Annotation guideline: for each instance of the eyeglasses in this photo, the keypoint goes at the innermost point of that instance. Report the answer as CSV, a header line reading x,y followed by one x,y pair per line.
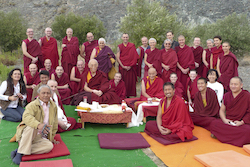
x,y
167,43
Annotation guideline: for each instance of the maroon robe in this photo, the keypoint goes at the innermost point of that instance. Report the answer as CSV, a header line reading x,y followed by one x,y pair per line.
x,y
49,50
103,58
228,69
73,84
30,81
70,54
186,60
198,58
216,52
120,89
64,93
139,63
203,116
154,89
51,71
237,108
129,57
89,46
154,57
193,89
170,59
176,118
206,69
98,82
34,49
179,89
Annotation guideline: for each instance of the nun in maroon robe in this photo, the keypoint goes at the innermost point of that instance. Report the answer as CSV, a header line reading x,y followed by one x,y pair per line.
x,y
73,84
153,57
198,58
237,108
170,59
204,115
129,57
89,46
34,49
49,50
193,89
69,54
216,52
228,69
30,81
120,88
205,69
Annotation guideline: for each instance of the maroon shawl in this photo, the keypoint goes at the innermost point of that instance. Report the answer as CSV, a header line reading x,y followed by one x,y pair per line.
x,y
89,46
216,52
128,54
32,80
205,69
193,89
71,51
154,57
120,89
179,89
63,80
198,58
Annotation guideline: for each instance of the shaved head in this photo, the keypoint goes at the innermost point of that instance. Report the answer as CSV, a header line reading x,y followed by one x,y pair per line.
x,y
32,66
93,61
29,29
181,37
47,61
80,62
48,29
152,70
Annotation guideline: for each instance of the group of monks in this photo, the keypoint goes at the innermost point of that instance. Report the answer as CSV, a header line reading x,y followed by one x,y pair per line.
x,y
185,70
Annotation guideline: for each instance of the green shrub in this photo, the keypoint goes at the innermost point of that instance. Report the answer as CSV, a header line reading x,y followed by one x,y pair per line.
x,y
4,71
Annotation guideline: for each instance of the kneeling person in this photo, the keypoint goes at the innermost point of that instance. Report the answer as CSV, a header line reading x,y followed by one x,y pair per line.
x,y
173,121
39,124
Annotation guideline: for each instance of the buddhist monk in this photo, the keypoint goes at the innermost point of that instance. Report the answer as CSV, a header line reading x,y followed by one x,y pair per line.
x,y
170,35
118,85
141,52
95,85
216,51
185,60
151,86
169,60
49,47
152,58
31,79
206,57
103,55
70,52
191,86
227,66
127,58
62,79
173,121
179,89
234,125
48,67
206,106
76,74
32,53
87,47
197,51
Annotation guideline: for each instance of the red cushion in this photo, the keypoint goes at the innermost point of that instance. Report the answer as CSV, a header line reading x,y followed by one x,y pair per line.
x,y
58,151
122,141
168,142
61,163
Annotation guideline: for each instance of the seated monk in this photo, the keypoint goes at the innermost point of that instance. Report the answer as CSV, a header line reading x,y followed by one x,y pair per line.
x,y
76,74
62,79
95,85
179,89
119,85
192,88
48,67
206,105
64,123
173,121
234,125
31,79
39,126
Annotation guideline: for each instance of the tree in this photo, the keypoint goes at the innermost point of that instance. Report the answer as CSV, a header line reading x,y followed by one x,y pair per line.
x,y
149,19
80,25
12,30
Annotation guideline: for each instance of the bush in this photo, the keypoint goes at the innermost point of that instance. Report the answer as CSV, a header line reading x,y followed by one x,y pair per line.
x,y
4,71
12,30
149,19
80,25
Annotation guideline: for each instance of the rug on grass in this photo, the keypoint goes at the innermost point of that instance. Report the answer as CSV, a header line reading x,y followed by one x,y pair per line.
x,y
182,154
55,163
57,151
223,159
122,141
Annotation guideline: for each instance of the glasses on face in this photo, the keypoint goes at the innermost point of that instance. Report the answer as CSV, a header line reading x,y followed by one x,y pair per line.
x,y
167,43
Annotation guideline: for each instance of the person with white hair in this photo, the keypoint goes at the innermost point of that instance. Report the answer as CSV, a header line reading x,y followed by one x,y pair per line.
x,y
104,56
152,58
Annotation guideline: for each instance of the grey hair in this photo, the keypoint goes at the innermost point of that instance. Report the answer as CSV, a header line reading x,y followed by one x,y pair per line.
x,y
101,39
43,86
152,39
167,40
69,29
211,40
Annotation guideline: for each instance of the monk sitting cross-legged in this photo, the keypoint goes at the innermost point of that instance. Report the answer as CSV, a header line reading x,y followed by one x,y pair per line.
x,y
206,105
76,74
179,89
173,121
118,84
234,125
48,67
191,86
95,85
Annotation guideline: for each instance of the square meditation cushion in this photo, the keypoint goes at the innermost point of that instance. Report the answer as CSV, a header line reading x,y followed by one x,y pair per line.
x,y
55,163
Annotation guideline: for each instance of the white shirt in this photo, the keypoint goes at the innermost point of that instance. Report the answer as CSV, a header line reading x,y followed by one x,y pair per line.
x,y
60,113
218,88
3,88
